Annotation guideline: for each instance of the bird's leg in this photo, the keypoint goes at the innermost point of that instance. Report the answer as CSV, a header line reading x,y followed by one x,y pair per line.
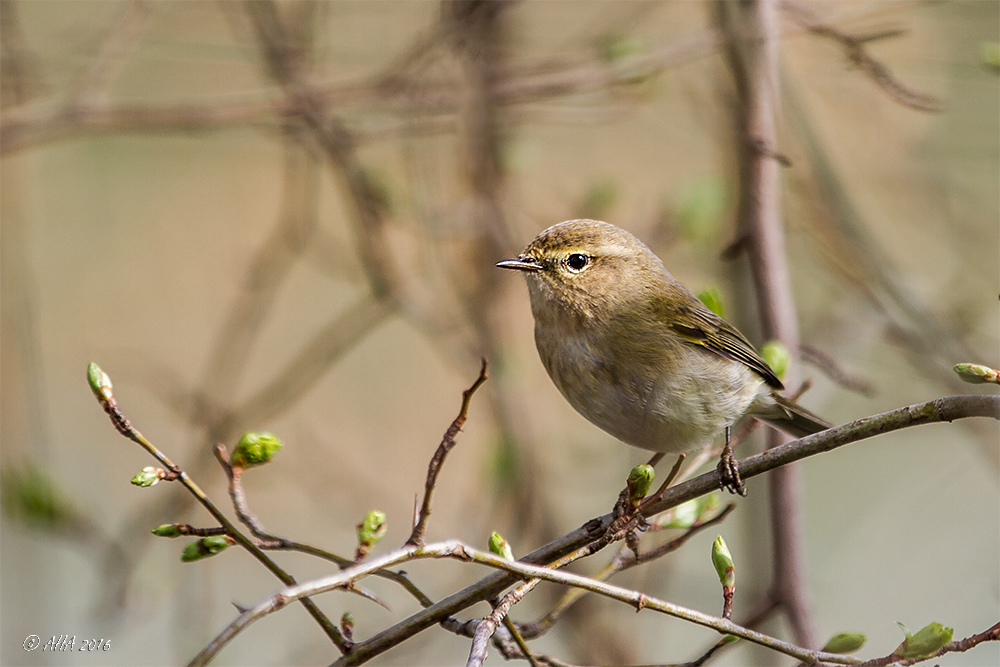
x,y
729,472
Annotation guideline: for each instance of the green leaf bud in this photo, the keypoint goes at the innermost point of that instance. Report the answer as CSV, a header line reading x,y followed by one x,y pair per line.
x,y
205,547
723,562
372,529
712,299
99,383
167,530
148,476
639,482
347,625
255,448
925,643
777,357
977,373
845,642
500,546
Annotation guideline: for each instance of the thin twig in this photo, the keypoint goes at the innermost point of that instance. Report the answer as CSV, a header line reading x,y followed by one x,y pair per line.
x,y
239,498
488,625
519,641
182,529
769,606
447,443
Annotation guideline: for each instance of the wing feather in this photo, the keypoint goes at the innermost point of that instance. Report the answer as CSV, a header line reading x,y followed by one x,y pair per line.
x,y
700,326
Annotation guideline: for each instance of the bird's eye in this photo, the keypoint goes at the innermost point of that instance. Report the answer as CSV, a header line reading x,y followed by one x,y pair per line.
x,y
577,262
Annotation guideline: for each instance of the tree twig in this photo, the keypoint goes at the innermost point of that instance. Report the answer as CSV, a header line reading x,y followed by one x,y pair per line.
x,y
447,443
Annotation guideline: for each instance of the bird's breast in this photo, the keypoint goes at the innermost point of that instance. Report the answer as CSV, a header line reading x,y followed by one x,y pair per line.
x,y
662,395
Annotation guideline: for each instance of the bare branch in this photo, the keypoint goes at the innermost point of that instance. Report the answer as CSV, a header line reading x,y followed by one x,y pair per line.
x,y
447,443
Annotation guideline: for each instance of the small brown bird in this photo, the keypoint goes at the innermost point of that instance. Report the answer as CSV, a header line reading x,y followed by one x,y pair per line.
x,y
637,353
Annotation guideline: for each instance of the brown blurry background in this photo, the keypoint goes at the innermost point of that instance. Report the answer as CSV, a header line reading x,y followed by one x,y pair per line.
x,y
301,239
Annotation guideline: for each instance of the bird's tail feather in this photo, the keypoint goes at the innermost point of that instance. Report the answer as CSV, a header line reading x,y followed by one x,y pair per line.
x,y
794,419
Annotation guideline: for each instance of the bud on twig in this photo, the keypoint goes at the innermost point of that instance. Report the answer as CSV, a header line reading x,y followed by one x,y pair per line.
x,y
925,643
168,530
723,562
845,642
255,448
99,383
370,531
205,547
149,476
500,546
347,625
977,374
639,482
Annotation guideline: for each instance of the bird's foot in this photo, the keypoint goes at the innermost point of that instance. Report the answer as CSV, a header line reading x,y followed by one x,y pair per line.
x,y
729,471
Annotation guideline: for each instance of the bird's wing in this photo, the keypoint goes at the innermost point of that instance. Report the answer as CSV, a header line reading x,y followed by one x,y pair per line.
x,y
702,327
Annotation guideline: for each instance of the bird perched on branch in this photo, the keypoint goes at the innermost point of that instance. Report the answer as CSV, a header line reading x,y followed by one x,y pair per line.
x,y
637,353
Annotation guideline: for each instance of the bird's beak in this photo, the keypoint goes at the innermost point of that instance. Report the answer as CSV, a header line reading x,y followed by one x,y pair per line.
x,y
520,264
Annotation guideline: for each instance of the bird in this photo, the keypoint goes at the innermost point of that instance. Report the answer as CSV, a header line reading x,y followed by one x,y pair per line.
x,y
637,353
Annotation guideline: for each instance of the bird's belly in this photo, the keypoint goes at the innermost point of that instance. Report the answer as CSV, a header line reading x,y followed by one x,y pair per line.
x,y
688,413
667,412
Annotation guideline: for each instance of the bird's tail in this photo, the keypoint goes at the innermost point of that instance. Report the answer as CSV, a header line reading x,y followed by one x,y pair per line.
x,y
794,419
